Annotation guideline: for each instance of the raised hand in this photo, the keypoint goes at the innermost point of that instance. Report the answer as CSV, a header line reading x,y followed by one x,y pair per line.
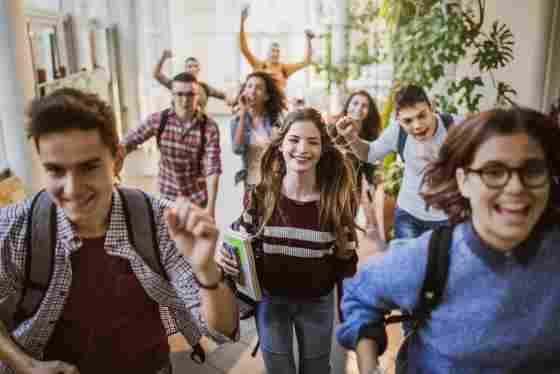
x,y
348,128
245,12
167,54
194,232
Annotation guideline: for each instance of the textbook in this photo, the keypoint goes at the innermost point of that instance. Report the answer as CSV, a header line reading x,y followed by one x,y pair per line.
x,y
239,246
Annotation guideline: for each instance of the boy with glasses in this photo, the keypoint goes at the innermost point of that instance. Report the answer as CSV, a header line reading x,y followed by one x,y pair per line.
x,y
189,144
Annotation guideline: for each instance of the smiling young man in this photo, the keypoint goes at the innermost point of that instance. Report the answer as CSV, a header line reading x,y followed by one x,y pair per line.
x,y
189,144
105,310
417,135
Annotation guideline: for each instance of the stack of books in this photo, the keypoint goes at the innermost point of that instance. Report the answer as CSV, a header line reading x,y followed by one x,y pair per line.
x,y
239,246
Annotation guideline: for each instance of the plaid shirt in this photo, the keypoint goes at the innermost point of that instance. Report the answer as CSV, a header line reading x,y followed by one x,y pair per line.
x,y
179,298
179,169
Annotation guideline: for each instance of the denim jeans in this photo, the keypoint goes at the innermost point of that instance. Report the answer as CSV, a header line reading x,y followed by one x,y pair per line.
x,y
313,322
407,226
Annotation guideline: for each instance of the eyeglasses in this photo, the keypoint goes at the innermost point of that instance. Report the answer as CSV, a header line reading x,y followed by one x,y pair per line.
x,y
533,174
188,95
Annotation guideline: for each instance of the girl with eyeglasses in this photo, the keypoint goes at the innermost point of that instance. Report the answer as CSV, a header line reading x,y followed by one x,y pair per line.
x,y
496,179
302,217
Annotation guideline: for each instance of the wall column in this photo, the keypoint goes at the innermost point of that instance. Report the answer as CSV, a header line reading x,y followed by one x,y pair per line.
x,y
16,89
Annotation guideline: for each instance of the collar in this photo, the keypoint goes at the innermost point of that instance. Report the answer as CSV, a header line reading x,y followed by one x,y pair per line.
x,y
198,117
522,254
117,241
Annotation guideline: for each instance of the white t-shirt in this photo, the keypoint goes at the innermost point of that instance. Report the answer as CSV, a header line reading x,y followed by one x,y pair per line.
x,y
416,155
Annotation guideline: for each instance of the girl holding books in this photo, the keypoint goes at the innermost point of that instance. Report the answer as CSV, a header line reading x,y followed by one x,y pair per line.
x,y
301,215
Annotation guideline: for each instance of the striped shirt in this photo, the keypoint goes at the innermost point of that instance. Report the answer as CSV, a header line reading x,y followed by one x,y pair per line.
x,y
296,256
178,298
179,169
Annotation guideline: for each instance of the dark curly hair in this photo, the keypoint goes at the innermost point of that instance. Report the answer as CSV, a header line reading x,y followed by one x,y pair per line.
x,y
70,109
439,182
276,102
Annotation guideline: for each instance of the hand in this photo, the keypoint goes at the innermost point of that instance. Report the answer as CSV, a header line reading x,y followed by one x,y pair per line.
x,y
348,128
194,232
244,103
227,262
309,34
166,54
230,101
51,367
245,12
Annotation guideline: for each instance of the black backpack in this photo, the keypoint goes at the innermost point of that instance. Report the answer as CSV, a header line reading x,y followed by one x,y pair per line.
x,y
41,244
447,120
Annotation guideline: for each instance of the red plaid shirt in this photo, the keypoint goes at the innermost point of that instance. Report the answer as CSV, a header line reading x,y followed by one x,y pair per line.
x,y
179,169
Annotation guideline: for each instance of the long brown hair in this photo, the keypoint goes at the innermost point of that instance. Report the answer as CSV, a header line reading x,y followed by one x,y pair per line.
x,y
334,180
461,144
371,125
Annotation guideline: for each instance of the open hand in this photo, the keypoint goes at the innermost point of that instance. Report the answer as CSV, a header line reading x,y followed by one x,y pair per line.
x,y
194,232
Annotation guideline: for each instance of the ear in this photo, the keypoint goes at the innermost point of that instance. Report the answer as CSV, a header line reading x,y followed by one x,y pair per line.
x,y
461,178
119,159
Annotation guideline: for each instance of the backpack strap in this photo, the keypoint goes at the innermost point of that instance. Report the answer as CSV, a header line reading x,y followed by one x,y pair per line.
x,y
437,270
435,280
447,120
202,147
401,141
41,242
162,123
141,227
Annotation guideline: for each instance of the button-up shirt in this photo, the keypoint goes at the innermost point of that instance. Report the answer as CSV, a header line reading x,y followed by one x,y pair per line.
x,y
179,166
178,298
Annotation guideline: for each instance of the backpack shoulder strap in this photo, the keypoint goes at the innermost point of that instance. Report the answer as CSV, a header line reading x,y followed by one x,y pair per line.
x,y
141,227
447,120
437,270
401,141
41,242
162,124
202,147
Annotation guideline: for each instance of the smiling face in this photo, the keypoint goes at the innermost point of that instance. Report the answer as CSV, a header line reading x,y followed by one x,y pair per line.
x,y
80,169
255,91
418,121
504,217
301,147
358,108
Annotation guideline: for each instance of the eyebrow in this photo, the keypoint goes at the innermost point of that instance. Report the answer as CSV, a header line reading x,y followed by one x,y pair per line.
x,y
81,163
309,137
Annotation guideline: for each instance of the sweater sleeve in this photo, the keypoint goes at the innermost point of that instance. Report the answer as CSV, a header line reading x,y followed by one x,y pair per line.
x,y
389,281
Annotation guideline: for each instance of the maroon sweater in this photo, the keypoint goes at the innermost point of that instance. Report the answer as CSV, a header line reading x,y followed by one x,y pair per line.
x,y
109,324
297,256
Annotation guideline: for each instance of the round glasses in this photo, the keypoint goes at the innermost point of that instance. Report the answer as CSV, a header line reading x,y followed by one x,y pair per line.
x,y
532,174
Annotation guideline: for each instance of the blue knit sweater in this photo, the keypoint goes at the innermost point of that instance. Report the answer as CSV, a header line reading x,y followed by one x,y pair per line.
x,y
499,313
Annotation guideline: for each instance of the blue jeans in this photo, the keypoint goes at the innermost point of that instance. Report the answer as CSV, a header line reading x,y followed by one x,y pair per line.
x,y
407,226
313,321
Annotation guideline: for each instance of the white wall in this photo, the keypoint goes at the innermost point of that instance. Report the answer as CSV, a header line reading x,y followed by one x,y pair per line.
x,y
530,23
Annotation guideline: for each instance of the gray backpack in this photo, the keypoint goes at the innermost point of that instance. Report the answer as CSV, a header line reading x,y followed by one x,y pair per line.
x,y
41,244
